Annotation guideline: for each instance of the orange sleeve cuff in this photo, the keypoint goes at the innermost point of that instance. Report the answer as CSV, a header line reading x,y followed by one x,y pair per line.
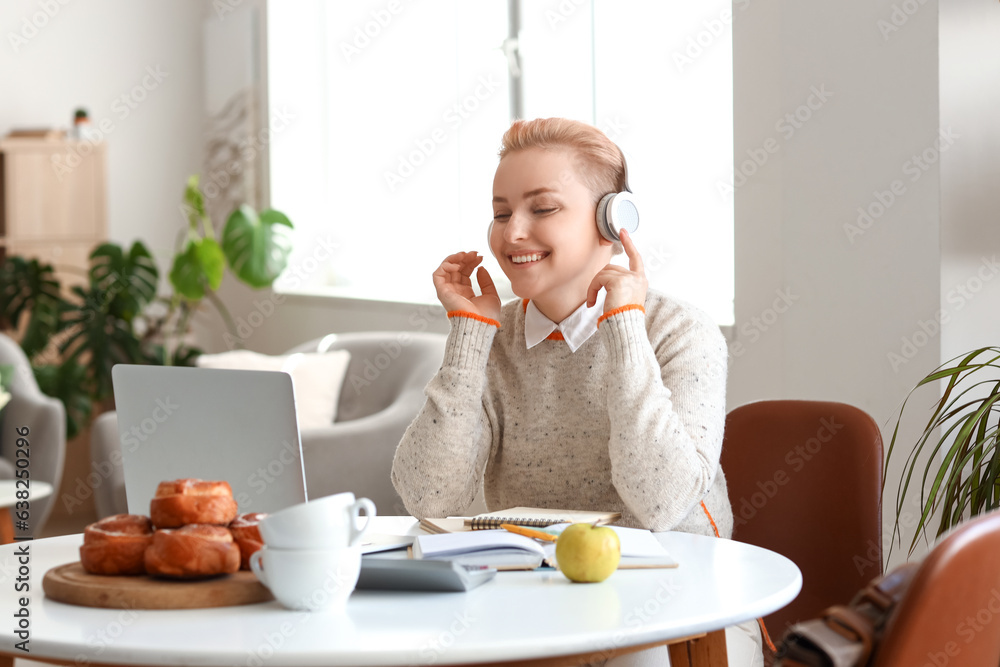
x,y
473,316
611,313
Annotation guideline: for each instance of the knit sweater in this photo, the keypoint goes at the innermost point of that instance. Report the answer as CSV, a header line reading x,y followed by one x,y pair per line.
x,y
631,422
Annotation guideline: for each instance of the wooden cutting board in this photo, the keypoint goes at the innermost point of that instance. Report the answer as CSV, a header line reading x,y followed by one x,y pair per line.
x,y
71,584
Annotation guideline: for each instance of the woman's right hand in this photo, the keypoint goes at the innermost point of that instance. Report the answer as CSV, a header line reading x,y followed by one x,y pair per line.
x,y
453,282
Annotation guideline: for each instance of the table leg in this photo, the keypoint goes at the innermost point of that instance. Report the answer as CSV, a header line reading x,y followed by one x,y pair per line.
x,y
707,651
6,531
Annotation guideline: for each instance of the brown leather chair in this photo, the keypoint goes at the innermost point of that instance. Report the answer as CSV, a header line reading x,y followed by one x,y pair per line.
x,y
805,481
950,614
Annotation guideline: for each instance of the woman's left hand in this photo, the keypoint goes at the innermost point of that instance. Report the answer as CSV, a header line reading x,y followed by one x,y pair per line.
x,y
624,286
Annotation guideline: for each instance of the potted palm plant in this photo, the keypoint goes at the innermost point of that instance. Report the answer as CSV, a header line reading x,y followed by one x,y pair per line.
x,y
955,464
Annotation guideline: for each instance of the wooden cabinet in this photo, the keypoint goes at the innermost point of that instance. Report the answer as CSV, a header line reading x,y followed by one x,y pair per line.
x,y
53,201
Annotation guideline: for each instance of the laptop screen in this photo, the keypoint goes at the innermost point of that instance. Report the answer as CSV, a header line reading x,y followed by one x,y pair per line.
x,y
232,425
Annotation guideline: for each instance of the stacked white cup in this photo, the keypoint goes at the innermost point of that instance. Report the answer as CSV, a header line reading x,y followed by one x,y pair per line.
x,y
312,551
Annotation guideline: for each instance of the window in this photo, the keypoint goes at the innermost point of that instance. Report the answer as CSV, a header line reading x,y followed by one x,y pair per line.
x,y
394,113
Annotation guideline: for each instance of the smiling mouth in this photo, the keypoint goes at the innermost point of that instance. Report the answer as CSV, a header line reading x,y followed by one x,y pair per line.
x,y
528,259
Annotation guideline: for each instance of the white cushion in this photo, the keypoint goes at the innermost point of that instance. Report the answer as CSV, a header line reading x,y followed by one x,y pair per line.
x,y
317,378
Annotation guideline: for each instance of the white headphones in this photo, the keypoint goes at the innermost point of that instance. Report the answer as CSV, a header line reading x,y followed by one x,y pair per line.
x,y
615,211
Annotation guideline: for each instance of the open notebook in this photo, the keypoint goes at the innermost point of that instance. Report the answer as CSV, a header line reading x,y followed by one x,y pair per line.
x,y
506,551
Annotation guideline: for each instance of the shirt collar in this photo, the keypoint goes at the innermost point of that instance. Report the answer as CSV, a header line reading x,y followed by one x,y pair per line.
x,y
576,329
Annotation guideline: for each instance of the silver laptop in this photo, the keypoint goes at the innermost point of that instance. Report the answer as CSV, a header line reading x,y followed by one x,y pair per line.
x,y
213,424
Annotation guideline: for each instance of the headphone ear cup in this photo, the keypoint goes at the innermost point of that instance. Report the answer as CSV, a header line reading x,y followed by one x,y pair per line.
x,y
489,238
602,218
617,211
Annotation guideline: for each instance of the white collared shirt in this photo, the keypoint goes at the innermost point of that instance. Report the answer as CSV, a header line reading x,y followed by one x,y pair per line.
x,y
576,329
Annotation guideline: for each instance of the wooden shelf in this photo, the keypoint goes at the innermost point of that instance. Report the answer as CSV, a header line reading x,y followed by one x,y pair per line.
x,y
53,199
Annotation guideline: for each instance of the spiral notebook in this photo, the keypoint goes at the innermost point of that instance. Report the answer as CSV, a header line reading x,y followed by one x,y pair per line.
x,y
534,517
538,518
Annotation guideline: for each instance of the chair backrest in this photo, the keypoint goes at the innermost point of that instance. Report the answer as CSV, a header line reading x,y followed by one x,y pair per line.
x,y
950,614
805,480
382,365
45,417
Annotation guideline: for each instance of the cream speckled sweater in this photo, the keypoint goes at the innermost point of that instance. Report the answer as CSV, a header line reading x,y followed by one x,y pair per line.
x,y
631,422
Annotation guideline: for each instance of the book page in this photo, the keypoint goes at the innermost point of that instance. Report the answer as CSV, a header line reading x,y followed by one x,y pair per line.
x,y
640,548
451,544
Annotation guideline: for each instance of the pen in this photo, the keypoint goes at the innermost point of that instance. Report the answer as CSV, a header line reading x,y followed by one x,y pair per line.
x,y
528,532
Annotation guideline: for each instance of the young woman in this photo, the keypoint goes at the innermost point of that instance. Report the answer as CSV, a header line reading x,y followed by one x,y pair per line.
x,y
591,391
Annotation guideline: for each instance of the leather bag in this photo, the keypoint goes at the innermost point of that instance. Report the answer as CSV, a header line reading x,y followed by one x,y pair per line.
x,y
846,635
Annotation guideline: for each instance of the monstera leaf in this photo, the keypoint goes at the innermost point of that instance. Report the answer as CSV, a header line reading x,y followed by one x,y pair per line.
x,y
200,265
128,280
29,287
257,246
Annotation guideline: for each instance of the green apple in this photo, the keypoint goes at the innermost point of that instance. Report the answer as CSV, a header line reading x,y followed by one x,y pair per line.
x,y
587,553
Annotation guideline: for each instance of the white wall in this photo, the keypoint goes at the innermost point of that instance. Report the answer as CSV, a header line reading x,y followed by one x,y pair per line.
x,y
58,55
970,174
820,306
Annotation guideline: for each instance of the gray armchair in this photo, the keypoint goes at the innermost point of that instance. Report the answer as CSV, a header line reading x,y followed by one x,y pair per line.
x,y
45,419
383,391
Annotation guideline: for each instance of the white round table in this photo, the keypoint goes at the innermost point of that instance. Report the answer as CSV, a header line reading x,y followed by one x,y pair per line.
x,y
8,499
517,616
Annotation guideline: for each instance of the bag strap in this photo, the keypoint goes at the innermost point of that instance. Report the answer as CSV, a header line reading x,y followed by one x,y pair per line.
x,y
847,635
815,644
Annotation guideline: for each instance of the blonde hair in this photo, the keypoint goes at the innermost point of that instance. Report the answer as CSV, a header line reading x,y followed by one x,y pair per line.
x,y
601,164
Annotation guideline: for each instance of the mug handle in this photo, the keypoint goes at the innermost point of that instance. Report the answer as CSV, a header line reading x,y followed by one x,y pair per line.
x,y
257,567
369,507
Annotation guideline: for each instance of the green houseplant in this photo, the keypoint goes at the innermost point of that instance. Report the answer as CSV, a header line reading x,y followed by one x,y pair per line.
x,y
254,247
961,475
74,337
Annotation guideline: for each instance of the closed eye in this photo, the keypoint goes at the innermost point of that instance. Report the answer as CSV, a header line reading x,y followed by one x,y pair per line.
x,y
501,216
543,211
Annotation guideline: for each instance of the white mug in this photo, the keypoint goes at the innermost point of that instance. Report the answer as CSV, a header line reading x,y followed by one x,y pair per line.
x,y
310,580
324,523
